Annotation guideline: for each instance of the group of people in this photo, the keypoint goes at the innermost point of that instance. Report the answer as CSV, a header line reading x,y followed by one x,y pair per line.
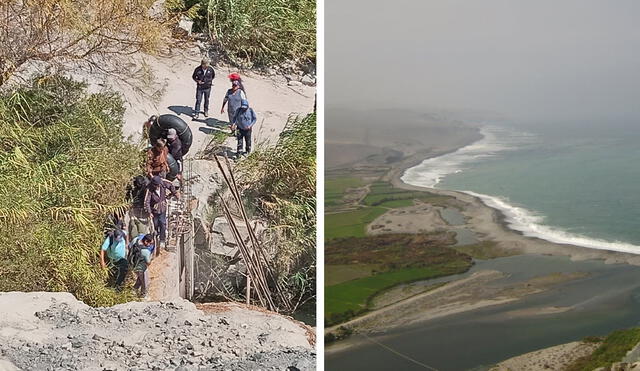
x,y
149,197
241,116
133,249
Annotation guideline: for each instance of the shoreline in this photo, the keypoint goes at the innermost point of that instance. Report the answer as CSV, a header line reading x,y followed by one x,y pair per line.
x,y
491,223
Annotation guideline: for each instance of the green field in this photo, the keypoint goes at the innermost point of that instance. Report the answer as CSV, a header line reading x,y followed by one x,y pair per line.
x,y
334,189
346,300
385,195
338,273
350,223
358,266
391,259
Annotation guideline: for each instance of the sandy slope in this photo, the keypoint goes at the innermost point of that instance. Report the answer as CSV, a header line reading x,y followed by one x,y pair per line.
x,y
271,98
553,358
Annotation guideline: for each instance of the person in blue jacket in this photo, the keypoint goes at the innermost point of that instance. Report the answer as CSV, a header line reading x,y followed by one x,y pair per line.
x,y
243,121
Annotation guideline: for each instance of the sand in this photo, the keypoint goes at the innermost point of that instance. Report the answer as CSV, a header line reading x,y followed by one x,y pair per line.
x,y
554,358
419,218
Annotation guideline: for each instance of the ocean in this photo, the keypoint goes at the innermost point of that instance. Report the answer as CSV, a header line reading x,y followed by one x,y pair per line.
x,y
574,184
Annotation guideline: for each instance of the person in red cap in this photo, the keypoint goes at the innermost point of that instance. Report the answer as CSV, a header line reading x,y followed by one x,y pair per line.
x,y
234,97
236,77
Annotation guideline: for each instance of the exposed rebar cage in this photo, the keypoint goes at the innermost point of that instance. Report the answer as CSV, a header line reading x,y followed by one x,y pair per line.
x,y
180,231
260,277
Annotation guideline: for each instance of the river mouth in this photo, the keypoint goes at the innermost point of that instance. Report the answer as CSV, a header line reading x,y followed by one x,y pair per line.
x,y
607,299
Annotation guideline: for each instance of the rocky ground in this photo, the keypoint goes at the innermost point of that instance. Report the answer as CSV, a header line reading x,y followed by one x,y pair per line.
x,y
54,331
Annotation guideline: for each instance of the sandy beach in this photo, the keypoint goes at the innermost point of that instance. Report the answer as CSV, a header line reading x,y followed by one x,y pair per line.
x,y
489,223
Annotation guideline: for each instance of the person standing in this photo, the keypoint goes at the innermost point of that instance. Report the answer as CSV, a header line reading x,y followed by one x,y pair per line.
x,y
236,77
155,204
203,75
157,163
140,251
175,149
243,120
234,97
115,248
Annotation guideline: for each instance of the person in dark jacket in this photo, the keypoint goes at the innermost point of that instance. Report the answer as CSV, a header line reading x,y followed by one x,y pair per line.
x,y
243,120
203,75
175,149
156,203
138,218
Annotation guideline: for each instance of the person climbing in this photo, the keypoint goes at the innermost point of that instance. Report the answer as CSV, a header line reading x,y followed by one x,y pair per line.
x,y
146,127
203,75
155,204
234,97
243,120
139,258
175,149
138,218
114,246
157,159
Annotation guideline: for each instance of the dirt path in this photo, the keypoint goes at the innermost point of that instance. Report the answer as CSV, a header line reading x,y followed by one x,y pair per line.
x,y
271,98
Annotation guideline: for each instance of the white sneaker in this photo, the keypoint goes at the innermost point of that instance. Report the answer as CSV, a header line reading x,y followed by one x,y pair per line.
x,y
206,113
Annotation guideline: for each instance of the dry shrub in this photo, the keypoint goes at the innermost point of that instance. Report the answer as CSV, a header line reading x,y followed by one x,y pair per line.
x,y
59,31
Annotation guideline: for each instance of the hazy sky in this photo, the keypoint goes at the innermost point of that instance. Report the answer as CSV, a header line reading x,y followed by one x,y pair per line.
x,y
533,59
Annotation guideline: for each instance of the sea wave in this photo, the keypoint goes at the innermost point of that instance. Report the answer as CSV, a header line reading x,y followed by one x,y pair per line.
x,y
494,141
529,224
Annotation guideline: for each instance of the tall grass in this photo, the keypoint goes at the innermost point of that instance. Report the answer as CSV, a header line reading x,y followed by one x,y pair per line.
x,y
64,166
257,33
282,180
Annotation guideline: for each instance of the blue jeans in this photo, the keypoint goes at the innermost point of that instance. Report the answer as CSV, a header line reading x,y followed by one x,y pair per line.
x,y
199,93
160,223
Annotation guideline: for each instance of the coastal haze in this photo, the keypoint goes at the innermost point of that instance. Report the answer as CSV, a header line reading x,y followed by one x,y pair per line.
x,y
528,107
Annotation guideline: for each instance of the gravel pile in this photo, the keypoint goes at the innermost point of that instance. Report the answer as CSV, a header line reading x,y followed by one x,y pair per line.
x,y
53,331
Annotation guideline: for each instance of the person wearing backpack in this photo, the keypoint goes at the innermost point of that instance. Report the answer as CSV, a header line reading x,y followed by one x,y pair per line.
x,y
115,248
139,257
138,218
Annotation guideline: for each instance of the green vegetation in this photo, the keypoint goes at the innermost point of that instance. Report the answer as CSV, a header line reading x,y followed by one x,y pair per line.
x,y
340,333
385,195
613,348
282,181
350,223
334,189
256,33
404,258
64,166
338,273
